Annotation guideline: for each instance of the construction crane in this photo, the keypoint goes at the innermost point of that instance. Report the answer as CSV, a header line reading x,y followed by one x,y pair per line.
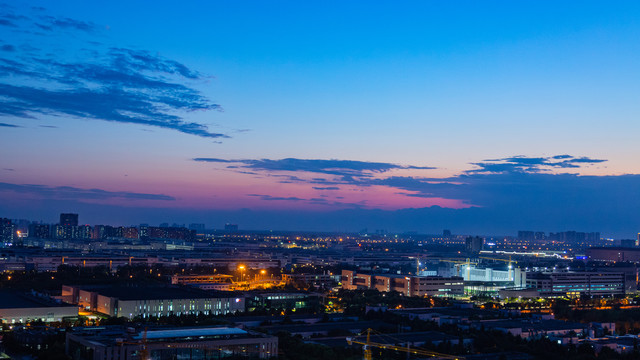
x,y
368,345
459,263
510,273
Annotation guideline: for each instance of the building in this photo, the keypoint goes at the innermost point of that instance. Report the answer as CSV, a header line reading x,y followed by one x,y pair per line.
x,y
149,301
69,219
571,284
628,243
317,280
198,343
474,244
16,307
614,254
231,227
197,227
40,231
282,301
407,285
7,230
200,279
532,328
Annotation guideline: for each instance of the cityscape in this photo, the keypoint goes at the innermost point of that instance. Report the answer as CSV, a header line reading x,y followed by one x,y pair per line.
x,y
319,181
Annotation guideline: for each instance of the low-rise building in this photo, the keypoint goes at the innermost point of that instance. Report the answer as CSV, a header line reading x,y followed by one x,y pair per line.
x,y
577,283
111,343
148,301
572,284
318,280
16,307
281,300
407,285
532,328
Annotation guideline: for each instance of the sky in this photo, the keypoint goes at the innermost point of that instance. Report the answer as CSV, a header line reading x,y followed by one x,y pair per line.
x,y
480,117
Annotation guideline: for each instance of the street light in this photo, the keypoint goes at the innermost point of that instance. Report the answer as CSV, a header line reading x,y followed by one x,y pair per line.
x,y
241,268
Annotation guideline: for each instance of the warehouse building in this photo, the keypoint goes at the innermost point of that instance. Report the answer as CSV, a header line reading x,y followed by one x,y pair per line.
x,y
111,343
16,307
150,301
407,285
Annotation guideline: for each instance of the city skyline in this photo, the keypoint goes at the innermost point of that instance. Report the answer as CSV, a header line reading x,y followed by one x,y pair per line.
x,y
488,119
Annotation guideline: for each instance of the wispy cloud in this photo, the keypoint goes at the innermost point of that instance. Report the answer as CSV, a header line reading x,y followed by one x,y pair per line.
x,y
314,201
492,182
276,198
9,125
525,164
51,23
113,84
74,193
342,168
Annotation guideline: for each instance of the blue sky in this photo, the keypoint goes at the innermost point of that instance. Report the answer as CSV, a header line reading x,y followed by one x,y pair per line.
x,y
119,100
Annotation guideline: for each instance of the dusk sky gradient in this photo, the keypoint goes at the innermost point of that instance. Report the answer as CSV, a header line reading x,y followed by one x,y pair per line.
x,y
482,117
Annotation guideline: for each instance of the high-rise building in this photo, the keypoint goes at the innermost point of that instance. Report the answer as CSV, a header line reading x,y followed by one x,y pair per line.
x,y
474,244
143,233
526,235
446,233
130,233
40,231
7,230
196,227
69,219
62,232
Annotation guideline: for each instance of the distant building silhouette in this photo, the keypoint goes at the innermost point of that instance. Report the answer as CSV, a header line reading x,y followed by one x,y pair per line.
x,y
627,243
69,219
40,231
474,244
197,227
526,235
7,230
230,227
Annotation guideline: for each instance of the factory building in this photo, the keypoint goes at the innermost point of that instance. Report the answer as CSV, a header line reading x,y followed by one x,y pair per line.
x,y
407,285
111,343
148,301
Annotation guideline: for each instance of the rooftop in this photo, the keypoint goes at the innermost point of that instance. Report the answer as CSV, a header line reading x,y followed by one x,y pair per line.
x,y
191,332
157,292
109,335
16,300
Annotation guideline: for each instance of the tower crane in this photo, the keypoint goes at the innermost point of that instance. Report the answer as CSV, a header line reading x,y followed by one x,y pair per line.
x,y
459,263
505,260
368,345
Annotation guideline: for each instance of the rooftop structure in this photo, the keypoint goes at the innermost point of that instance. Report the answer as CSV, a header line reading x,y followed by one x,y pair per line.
x,y
16,307
156,301
110,343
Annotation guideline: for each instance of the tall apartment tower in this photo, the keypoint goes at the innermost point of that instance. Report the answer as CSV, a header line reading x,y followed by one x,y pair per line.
x,y
69,219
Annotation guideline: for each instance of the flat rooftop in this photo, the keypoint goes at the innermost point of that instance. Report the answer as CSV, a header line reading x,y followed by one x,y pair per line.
x,y
157,293
197,332
543,325
389,339
111,335
10,299
323,327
